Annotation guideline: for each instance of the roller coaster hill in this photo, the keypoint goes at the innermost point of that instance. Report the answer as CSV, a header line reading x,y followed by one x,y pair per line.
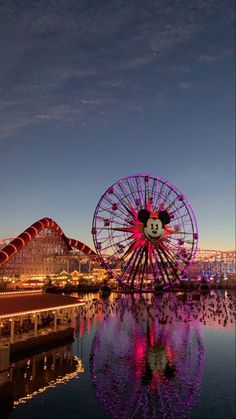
x,y
43,253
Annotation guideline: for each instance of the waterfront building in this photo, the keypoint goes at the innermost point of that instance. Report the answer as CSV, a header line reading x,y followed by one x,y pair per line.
x,y
215,266
32,319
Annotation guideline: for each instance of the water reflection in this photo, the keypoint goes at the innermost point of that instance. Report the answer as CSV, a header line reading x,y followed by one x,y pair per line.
x,y
36,374
145,362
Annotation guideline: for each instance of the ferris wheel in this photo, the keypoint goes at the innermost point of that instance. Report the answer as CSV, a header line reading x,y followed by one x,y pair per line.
x,y
145,232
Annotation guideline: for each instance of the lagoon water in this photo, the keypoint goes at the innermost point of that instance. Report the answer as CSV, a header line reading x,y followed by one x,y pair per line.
x,y
132,357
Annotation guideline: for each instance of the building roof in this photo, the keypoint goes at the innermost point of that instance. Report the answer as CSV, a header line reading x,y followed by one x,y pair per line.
x,y
12,305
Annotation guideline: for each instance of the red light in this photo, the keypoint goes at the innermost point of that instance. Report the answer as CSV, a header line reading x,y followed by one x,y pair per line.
x,y
2,251
14,247
35,229
20,238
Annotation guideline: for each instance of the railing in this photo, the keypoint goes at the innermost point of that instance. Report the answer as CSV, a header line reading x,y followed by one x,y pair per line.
x,y
15,293
32,334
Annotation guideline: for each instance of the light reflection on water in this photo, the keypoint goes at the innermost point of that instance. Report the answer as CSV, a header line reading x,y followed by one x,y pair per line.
x,y
40,372
34,375
145,362
142,358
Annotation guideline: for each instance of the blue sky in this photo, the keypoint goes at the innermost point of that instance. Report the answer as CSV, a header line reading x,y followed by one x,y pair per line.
x,y
94,91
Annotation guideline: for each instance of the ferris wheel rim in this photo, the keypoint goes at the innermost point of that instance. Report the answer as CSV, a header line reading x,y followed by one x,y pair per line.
x,y
171,188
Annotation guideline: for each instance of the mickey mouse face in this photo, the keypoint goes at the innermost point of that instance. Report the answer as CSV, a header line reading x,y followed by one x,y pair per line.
x,y
153,227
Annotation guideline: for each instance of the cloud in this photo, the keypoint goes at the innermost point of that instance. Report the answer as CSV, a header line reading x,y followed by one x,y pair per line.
x,y
71,61
212,58
136,62
207,58
186,85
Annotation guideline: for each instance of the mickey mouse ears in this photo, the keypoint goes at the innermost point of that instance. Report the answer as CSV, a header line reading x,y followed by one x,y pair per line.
x,y
144,215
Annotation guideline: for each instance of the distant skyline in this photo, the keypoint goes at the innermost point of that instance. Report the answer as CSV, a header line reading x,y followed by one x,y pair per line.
x,y
91,92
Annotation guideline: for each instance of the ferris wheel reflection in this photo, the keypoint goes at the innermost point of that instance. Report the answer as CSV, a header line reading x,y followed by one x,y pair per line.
x,y
142,367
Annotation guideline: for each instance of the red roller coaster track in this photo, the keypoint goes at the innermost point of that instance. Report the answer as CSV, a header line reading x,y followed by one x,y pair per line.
x,y
24,238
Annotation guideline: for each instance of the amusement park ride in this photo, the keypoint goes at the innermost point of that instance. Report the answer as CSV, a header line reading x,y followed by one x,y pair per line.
x,y
144,232
145,226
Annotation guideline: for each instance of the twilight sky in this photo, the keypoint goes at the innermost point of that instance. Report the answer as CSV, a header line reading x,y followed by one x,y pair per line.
x,y
93,90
